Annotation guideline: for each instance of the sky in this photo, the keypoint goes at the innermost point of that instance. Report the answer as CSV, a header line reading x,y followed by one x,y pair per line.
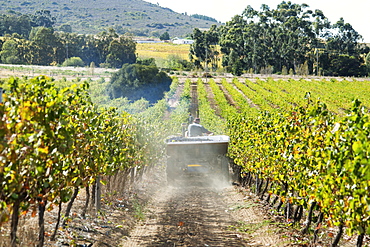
x,y
354,12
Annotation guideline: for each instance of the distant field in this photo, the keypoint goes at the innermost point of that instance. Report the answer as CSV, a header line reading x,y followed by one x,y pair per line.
x,y
160,51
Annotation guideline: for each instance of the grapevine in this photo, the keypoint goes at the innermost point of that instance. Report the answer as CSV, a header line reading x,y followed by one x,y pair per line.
x,y
310,157
54,141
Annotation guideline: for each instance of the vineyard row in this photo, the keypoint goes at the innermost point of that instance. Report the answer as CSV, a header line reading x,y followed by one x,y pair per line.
x,y
55,141
309,155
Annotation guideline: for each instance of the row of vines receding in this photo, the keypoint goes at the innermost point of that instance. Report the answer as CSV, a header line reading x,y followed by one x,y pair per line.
x,y
55,141
308,159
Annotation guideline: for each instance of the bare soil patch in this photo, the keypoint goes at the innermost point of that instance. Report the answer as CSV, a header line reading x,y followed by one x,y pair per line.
x,y
198,213
211,99
228,97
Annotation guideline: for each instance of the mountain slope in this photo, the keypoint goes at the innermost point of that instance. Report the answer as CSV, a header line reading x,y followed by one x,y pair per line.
x,y
90,17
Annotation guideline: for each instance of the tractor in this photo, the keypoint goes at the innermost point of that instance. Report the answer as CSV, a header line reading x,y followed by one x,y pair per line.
x,y
200,157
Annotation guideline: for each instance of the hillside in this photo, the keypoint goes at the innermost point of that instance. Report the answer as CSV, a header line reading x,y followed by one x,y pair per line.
x,y
90,17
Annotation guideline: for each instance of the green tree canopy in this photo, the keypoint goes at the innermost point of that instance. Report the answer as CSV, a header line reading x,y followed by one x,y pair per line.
x,y
48,48
136,81
286,37
203,52
44,46
120,51
42,18
23,23
9,53
164,36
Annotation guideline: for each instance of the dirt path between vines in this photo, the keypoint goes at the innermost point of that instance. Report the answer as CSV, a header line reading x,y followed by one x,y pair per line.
x,y
198,214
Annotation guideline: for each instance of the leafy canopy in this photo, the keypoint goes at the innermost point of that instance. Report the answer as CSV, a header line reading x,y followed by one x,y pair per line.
x,y
136,81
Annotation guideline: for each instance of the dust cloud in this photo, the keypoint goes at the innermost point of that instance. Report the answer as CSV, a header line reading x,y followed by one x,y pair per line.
x,y
188,210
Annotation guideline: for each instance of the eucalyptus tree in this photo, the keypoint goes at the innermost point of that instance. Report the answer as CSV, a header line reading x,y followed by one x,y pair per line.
x,y
42,18
344,39
233,45
90,50
321,28
9,53
204,50
367,63
197,49
344,53
16,50
102,42
280,37
74,44
212,51
121,51
48,48
106,48
247,41
294,34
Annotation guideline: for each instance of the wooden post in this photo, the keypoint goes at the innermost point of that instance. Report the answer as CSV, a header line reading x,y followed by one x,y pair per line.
x,y
1,95
98,194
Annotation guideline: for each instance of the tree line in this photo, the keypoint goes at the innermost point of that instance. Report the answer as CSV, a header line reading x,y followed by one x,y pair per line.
x,y
289,39
47,47
31,39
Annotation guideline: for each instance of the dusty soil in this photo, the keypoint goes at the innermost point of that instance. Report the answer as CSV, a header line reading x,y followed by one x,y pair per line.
x,y
202,212
209,212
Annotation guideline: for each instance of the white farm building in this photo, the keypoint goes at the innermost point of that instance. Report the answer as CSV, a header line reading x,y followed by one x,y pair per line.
x,y
182,41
